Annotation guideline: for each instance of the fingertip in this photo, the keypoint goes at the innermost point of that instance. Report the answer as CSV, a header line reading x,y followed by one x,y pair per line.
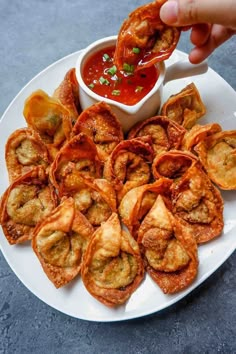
x,y
169,12
198,55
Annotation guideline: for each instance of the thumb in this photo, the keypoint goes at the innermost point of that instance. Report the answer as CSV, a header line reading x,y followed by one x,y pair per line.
x,y
190,12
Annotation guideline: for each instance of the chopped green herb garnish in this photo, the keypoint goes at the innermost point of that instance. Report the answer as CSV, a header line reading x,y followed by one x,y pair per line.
x,y
136,50
112,70
139,89
91,86
106,57
128,68
103,81
116,93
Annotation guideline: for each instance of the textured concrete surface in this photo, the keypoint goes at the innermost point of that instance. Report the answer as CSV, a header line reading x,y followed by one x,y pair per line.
x,y
34,34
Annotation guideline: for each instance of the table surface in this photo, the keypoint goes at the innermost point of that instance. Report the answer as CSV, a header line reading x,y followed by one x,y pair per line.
x,y
34,34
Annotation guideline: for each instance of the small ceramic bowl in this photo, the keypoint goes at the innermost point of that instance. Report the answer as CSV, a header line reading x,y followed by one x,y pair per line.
x,y
146,107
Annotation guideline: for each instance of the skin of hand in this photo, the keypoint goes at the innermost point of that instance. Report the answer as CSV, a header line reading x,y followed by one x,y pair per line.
x,y
212,22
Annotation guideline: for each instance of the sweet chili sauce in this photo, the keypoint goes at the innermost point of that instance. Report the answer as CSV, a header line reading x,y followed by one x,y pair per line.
x,y
126,86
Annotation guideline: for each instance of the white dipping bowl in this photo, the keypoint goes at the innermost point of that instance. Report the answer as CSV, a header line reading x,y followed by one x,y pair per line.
x,y
149,105
127,114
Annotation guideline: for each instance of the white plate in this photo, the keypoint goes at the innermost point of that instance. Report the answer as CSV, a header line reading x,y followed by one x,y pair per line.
x,y
73,299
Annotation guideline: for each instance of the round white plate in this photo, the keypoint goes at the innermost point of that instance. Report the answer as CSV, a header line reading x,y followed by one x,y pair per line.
x,y
73,299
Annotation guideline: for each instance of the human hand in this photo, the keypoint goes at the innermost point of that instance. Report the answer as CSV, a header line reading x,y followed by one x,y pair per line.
x,y
212,22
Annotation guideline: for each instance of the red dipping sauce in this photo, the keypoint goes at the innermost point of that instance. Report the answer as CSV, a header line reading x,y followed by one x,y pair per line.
x,y
126,86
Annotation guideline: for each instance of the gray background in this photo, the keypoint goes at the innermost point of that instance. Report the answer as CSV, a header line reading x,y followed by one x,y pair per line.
x,y
34,34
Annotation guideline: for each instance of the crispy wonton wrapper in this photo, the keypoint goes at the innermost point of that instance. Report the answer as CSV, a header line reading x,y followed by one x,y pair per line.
x,y
185,107
198,133
194,198
198,204
78,157
217,153
138,201
60,241
95,199
172,164
102,126
165,133
27,201
129,165
68,94
144,39
112,268
24,150
49,118
169,249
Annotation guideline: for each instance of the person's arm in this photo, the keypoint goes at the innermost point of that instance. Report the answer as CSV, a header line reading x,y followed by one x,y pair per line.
x,y
212,22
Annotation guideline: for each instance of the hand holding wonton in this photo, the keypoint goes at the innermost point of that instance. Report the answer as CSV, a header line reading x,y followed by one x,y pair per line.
x,y
143,39
112,268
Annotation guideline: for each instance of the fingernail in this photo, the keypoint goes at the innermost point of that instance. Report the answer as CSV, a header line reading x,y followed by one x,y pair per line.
x,y
169,12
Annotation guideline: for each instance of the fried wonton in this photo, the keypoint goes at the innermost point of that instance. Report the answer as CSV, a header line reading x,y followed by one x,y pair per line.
x,y
169,249
112,268
138,201
95,199
78,157
185,107
198,133
102,126
217,153
49,118
68,94
198,204
27,201
129,165
172,164
144,39
165,133
60,241
24,150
